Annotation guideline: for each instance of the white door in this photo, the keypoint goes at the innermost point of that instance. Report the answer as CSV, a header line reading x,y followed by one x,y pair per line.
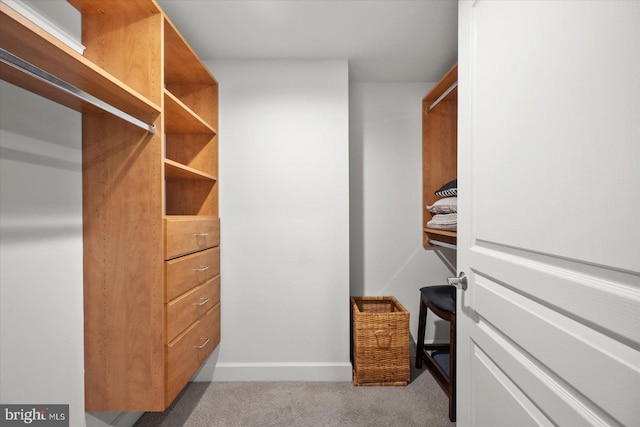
x,y
549,232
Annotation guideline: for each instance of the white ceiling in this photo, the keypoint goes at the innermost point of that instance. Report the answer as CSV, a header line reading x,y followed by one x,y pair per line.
x,y
384,40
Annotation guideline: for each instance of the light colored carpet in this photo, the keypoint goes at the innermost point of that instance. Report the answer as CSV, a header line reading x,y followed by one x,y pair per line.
x,y
265,404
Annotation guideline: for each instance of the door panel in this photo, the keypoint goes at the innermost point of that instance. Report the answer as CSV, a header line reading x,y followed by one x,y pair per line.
x,y
535,384
549,147
491,385
585,293
555,123
569,353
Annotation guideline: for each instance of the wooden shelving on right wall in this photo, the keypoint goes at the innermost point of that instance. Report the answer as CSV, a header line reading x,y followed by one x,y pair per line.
x,y
439,150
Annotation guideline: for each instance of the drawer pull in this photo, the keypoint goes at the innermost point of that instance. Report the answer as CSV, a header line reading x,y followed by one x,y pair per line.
x,y
201,234
200,347
203,268
204,301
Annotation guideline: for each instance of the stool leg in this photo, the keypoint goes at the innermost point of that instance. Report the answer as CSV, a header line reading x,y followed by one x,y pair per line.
x,y
452,370
422,324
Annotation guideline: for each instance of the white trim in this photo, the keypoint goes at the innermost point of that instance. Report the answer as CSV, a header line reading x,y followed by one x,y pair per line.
x,y
116,419
44,23
285,371
127,419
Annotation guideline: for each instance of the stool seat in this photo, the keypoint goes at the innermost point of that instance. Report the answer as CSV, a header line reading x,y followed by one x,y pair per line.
x,y
442,296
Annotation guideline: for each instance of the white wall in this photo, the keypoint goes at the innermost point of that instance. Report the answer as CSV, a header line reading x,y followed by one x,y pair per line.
x,y
284,208
387,257
41,318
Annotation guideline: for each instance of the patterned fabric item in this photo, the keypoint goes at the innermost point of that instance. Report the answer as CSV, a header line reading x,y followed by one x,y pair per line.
x,y
450,189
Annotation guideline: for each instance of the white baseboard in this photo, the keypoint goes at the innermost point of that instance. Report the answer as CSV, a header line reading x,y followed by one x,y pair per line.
x,y
118,419
304,371
127,419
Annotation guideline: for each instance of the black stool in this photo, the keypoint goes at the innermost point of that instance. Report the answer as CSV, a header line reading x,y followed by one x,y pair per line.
x,y
441,300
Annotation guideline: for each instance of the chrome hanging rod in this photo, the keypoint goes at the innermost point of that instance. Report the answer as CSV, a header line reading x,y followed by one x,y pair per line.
x,y
24,66
437,101
443,244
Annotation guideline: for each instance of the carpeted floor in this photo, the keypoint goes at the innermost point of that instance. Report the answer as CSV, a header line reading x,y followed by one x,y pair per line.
x,y
318,404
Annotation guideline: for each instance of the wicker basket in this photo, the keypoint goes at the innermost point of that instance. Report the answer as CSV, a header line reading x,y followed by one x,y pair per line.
x,y
380,341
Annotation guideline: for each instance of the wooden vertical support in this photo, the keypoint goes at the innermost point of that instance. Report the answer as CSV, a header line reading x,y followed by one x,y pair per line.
x,y
439,145
123,176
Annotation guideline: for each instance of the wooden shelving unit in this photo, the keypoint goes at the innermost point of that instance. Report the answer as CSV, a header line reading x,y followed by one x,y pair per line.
x,y
439,149
150,200
24,39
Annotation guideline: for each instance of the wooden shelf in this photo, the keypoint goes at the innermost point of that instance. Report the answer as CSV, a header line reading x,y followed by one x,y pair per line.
x,y
445,236
29,42
180,119
136,8
175,170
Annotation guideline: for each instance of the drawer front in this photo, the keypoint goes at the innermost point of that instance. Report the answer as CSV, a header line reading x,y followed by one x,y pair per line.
x,y
187,272
188,352
183,311
190,234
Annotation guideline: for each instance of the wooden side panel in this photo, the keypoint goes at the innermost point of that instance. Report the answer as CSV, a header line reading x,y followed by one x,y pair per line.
x,y
439,151
129,46
123,292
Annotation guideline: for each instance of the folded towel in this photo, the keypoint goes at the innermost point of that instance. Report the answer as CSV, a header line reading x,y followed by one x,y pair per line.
x,y
444,206
444,222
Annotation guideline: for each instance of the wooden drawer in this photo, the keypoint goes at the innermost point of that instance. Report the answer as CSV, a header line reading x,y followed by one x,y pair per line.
x,y
190,349
184,273
187,234
186,309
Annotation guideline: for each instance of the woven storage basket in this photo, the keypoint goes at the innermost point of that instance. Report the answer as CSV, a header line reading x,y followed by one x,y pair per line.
x,y
380,341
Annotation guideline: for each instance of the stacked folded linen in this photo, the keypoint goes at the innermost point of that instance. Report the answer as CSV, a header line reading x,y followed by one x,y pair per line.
x,y
445,210
444,222
444,206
